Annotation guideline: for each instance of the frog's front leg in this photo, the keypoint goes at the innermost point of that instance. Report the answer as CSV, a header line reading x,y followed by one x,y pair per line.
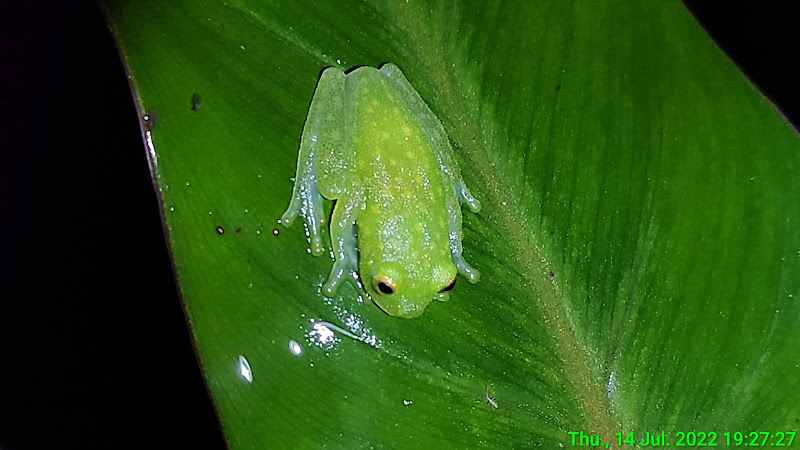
x,y
454,214
343,237
320,134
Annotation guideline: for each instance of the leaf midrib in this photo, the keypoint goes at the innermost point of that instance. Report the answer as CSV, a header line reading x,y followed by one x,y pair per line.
x,y
524,248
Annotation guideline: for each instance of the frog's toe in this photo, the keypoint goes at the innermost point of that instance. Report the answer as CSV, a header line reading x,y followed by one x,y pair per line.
x,y
334,280
313,230
474,204
315,222
342,270
288,217
317,248
465,196
472,274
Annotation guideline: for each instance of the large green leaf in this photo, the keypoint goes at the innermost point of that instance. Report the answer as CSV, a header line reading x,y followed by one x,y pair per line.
x,y
639,242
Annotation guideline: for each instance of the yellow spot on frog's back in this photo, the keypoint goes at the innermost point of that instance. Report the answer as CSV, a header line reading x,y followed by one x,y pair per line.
x,y
392,162
406,130
411,155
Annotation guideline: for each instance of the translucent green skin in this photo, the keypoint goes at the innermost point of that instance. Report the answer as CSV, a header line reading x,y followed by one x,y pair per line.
x,y
373,145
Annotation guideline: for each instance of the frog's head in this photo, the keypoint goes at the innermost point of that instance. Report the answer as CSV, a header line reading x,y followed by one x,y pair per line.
x,y
404,290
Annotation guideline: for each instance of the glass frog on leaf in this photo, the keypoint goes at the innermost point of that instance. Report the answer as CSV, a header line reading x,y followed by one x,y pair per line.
x,y
372,144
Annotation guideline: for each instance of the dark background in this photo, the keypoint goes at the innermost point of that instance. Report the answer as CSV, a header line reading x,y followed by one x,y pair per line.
x,y
94,349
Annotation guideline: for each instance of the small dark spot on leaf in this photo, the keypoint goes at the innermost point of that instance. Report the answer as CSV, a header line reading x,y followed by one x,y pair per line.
x,y
276,231
220,230
150,120
797,420
195,102
552,274
238,230
558,87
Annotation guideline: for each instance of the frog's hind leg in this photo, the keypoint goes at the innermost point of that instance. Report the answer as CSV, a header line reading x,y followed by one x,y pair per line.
x,y
343,237
306,197
307,202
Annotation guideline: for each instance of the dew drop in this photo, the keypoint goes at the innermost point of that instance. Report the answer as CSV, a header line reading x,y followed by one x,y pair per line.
x,y
244,369
295,348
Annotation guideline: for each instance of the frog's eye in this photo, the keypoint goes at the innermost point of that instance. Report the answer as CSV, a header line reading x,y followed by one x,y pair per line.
x,y
450,285
384,285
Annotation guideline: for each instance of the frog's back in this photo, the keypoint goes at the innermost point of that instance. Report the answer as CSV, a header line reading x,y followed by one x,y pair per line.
x,y
406,214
